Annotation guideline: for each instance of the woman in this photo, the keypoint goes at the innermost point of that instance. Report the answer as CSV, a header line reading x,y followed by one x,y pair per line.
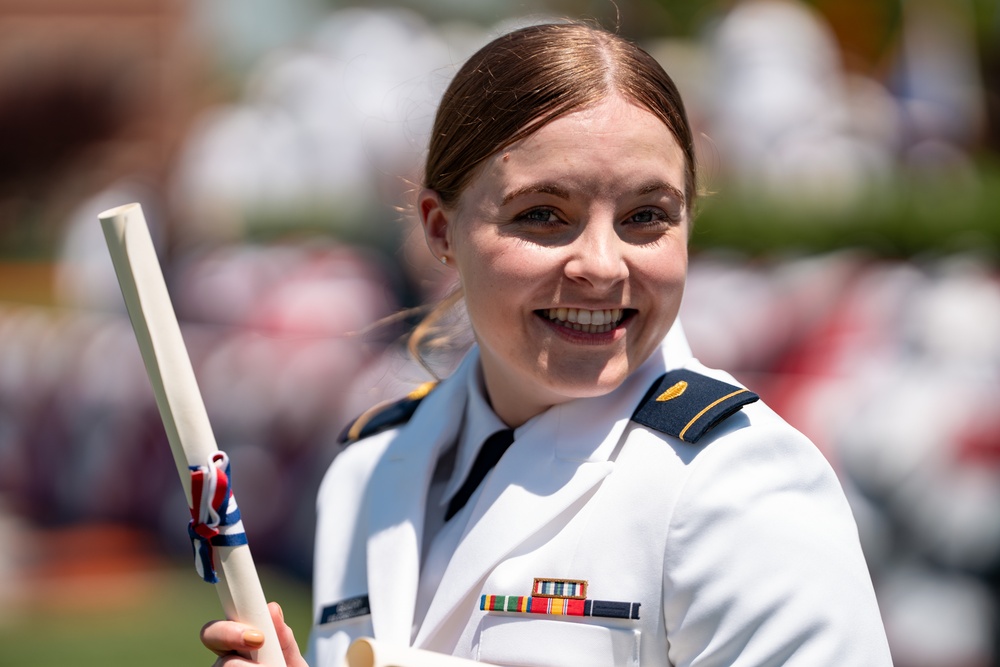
x,y
649,510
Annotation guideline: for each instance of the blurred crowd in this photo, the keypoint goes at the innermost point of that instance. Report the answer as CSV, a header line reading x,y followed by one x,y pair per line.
x,y
890,367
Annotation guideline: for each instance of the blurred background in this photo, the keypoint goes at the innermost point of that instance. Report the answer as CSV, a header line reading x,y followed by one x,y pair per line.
x,y
844,265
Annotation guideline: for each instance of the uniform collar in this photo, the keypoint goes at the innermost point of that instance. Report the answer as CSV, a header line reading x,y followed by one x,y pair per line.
x,y
480,422
675,348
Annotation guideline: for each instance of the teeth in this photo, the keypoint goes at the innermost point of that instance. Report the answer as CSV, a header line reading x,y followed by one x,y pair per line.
x,y
587,321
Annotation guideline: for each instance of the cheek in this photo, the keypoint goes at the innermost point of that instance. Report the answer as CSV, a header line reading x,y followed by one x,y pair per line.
x,y
666,277
501,265
483,275
666,265
501,288
676,275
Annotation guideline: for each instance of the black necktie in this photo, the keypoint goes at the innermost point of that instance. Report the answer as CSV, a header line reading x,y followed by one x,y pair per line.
x,y
489,454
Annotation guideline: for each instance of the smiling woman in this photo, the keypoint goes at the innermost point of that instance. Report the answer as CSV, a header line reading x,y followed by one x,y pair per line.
x,y
581,490
566,218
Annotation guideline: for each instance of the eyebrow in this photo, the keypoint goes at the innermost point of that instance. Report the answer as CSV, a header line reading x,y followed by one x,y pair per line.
x,y
536,188
661,185
557,190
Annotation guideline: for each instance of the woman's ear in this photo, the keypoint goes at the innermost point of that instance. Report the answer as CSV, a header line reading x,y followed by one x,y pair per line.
x,y
435,220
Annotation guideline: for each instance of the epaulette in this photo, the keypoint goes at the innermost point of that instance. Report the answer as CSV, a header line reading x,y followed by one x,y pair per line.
x,y
385,415
687,405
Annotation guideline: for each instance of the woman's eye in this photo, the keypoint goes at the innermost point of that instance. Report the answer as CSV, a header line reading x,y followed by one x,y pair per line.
x,y
647,216
538,215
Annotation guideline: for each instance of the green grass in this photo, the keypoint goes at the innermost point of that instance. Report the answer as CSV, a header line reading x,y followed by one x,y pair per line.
x,y
906,218
154,622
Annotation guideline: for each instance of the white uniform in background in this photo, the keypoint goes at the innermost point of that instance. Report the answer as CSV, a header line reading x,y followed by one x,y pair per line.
x,y
738,550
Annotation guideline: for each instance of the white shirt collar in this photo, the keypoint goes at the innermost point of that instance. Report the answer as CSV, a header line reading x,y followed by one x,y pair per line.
x,y
480,422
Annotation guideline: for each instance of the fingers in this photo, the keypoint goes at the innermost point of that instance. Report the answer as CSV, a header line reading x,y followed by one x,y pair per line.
x,y
286,638
233,641
227,637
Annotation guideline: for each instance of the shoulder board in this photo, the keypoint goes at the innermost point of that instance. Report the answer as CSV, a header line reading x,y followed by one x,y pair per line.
x,y
385,415
687,405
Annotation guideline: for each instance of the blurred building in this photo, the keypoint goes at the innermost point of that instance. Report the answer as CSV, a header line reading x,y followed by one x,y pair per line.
x,y
90,91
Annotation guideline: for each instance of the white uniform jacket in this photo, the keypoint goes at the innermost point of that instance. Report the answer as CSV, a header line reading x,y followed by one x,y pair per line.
x,y
740,550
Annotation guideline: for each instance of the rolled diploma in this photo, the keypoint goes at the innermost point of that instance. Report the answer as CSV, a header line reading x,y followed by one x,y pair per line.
x,y
181,407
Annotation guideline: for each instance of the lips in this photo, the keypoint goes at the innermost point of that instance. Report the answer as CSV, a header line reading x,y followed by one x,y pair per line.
x,y
586,321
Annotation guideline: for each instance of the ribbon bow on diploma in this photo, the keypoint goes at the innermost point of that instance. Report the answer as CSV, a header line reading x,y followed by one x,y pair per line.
x,y
215,518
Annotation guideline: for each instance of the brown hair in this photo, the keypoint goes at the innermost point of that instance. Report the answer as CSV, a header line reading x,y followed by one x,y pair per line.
x,y
522,80
516,84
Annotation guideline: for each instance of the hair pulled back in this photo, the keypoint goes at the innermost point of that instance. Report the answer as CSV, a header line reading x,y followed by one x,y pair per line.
x,y
522,80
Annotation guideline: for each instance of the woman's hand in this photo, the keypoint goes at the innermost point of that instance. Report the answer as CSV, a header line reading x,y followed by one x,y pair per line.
x,y
233,641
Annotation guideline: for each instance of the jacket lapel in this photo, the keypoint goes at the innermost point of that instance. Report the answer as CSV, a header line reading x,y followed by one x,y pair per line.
x,y
557,458
396,503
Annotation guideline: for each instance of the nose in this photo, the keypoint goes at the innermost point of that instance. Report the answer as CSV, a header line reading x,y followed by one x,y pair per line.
x,y
597,257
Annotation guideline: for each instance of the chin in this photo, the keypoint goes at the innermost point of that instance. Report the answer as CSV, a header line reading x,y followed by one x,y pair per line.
x,y
577,384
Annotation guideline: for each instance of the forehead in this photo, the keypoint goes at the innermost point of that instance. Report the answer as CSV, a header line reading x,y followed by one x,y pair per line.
x,y
609,147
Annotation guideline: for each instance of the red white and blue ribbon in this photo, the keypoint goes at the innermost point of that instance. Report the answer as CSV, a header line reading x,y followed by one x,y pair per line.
x,y
215,518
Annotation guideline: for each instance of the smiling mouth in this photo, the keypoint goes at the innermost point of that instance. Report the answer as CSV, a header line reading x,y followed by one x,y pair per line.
x,y
586,321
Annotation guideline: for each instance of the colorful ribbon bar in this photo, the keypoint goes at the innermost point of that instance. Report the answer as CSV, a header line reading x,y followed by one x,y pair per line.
x,y
559,606
559,588
215,518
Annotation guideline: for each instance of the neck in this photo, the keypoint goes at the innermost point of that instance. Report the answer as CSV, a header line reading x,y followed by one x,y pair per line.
x,y
513,403
515,415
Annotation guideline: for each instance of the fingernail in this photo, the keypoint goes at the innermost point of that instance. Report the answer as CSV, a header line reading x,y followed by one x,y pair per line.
x,y
253,638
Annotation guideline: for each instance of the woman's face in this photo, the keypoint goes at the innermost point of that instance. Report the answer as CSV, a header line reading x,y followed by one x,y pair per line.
x,y
571,248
